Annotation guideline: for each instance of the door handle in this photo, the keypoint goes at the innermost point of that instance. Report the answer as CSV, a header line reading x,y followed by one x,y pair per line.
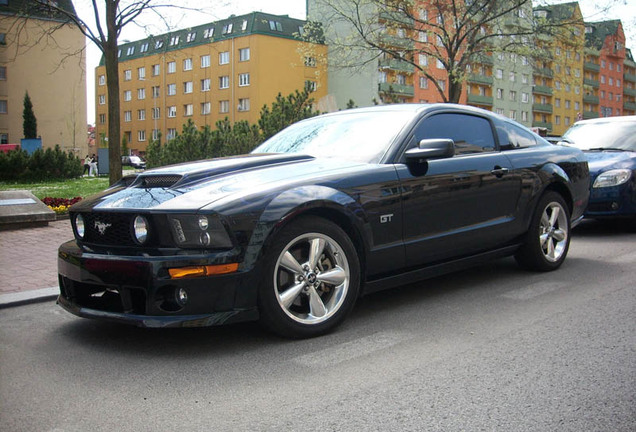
x,y
499,171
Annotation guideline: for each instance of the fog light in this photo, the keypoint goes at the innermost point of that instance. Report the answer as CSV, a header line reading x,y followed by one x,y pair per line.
x,y
203,223
181,297
79,226
140,226
615,206
204,239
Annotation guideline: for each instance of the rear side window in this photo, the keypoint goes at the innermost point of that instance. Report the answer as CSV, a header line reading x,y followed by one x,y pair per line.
x,y
514,137
471,134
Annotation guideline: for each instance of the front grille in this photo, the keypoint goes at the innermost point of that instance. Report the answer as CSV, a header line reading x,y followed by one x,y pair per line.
x,y
109,229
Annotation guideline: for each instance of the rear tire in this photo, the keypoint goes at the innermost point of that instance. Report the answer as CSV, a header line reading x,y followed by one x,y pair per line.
x,y
548,238
311,279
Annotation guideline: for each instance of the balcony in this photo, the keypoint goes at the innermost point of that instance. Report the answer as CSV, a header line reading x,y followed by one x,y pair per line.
x,y
590,115
542,108
631,106
544,90
544,72
397,17
397,89
397,42
591,67
591,82
541,124
629,77
480,79
482,59
629,91
591,99
397,65
479,100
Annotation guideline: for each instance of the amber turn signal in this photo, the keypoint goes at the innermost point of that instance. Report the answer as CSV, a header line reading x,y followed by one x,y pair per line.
x,y
199,271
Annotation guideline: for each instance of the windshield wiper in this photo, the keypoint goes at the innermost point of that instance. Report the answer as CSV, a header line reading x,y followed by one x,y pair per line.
x,y
606,148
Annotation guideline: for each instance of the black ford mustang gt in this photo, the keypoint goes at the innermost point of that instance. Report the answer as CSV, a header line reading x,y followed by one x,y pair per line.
x,y
327,210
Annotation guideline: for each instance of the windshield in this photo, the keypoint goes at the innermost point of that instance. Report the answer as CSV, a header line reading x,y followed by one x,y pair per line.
x,y
603,135
359,136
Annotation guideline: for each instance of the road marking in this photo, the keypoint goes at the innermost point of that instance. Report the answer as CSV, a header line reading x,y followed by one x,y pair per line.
x,y
535,290
350,350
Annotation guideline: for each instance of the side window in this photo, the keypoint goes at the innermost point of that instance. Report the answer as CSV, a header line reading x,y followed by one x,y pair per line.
x,y
517,137
471,134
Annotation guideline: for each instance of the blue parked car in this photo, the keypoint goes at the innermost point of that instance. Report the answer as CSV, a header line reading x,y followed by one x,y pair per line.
x,y
609,145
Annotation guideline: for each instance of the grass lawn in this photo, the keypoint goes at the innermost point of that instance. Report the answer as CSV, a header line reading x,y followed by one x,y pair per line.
x,y
82,187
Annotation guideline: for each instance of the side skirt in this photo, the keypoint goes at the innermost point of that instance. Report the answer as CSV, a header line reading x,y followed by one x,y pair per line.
x,y
437,270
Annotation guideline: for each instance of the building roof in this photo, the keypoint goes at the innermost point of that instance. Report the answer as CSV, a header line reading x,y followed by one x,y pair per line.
x,y
599,32
559,12
41,9
281,26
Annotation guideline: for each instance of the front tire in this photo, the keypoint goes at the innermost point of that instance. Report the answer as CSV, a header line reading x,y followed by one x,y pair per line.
x,y
548,239
311,279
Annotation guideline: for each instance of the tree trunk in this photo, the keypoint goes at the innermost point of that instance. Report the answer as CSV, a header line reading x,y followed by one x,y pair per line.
x,y
111,61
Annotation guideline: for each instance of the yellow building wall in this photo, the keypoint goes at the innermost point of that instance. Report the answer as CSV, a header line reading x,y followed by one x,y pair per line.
x,y
276,65
52,70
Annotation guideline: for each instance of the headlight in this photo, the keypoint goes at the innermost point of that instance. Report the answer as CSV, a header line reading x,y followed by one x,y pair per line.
x,y
199,231
140,227
612,178
79,226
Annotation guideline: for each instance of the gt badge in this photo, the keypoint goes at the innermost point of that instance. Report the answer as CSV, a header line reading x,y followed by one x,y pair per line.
x,y
386,218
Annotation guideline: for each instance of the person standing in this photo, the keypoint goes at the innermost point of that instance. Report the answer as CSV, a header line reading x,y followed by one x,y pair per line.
x,y
87,165
93,166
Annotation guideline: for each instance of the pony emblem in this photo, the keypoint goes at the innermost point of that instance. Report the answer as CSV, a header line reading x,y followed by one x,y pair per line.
x,y
101,226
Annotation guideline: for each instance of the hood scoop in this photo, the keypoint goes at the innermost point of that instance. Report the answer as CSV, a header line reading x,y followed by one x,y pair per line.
x,y
156,181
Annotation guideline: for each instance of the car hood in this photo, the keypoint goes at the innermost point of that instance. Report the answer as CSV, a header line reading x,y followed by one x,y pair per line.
x,y
192,186
600,161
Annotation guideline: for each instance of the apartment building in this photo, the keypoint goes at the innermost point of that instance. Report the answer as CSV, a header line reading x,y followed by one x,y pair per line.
x,y
229,68
629,84
42,54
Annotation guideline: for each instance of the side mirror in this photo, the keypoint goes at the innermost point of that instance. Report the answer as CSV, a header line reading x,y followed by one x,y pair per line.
x,y
435,148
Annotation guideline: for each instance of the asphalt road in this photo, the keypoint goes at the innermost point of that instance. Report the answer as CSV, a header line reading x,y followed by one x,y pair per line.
x,y
493,348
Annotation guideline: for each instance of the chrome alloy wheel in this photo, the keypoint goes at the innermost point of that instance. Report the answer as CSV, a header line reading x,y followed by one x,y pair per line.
x,y
311,278
553,231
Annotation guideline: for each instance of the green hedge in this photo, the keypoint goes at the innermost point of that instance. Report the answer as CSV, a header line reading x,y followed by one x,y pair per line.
x,y
49,164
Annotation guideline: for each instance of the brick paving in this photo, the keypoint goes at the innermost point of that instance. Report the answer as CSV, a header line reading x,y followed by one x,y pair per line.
x,y
28,256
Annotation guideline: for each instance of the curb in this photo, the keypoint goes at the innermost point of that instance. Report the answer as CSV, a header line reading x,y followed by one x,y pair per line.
x,y
28,297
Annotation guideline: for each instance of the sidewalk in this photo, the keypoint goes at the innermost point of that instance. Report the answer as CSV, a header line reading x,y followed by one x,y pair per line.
x,y
28,262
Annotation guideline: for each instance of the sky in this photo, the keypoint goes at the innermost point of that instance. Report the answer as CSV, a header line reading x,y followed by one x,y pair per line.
x,y
213,10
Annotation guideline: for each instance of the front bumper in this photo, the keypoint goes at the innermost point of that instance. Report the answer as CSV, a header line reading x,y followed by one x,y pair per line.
x,y
138,290
614,201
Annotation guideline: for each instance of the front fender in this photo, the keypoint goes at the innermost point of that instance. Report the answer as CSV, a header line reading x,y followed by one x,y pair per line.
x,y
301,200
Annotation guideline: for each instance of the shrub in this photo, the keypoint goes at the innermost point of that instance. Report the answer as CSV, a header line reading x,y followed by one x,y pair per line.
x,y
49,164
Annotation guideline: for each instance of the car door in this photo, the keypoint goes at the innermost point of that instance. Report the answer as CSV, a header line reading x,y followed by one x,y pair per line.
x,y
460,205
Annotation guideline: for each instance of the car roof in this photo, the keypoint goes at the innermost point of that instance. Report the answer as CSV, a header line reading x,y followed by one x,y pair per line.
x,y
617,119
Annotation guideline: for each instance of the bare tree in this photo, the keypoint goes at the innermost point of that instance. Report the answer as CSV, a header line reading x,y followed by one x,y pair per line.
x,y
456,33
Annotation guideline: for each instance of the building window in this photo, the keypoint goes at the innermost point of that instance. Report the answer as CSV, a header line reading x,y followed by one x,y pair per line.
x,y
127,95
400,79
156,70
311,85
422,36
187,87
3,107
310,61
275,26
127,75
557,120
513,114
172,67
205,108
423,82
525,78
187,110
187,64
141,94
102,99
102,119
155,134
102,80
156,92
141,73
191,37
224,58
224,106
130,50
127,116
205,85
227,28
156,113
243,104
422,59
499,74
172,89
382,77
141,114
205,61
512,76
244,79
224,82
172,133
244,54
499,93
144,47
172,111
174,40
512,95
159,44
208,33
524,116
442,84
440,65
525,97
141,135
567,104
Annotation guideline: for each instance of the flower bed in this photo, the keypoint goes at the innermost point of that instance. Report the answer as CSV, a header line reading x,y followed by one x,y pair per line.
x,y
60,205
